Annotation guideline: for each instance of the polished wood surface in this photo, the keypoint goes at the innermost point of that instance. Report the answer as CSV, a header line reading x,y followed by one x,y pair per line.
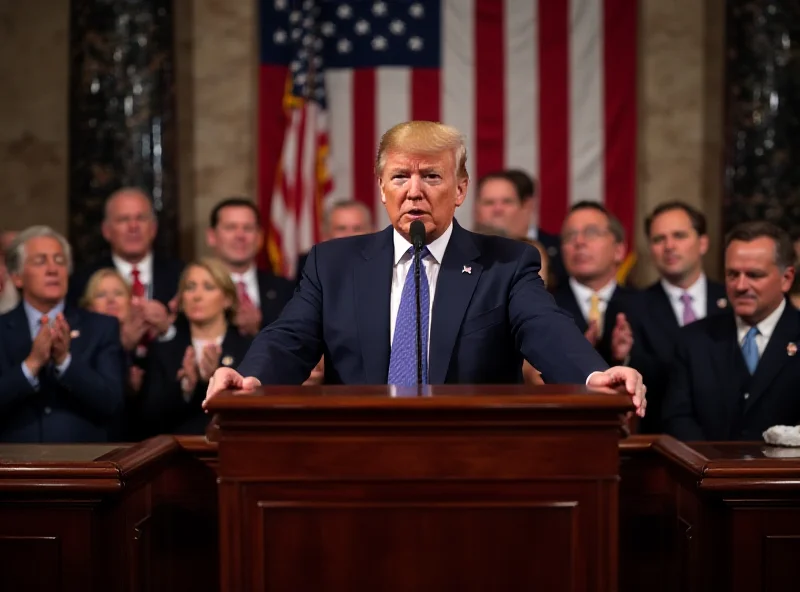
x,y
108,517
344,488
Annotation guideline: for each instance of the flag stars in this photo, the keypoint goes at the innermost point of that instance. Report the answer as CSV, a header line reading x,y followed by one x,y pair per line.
x,y
308,22
362,27
344,46
296,33
344,11
279,37
294,66
379,9
294,17
379,43
307,40
281,5
307,5
416,10
328,29
415,44
397,27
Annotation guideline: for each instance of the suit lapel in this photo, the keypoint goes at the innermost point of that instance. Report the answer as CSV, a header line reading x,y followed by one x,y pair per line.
x,y
454,288
372,285
726,359
663,311
19,333
775,355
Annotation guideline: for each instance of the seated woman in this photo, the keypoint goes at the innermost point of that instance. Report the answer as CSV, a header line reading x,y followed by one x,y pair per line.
x,y
178,370
530,374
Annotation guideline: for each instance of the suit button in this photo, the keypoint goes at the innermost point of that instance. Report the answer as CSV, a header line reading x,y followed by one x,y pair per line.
x,y
48,410
746,396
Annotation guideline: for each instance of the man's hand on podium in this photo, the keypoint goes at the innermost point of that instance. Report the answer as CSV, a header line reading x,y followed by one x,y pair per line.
x,y
621,379
229,379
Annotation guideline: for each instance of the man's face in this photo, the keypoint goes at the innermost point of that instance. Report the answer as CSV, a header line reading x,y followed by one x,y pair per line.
x,y
676,248
498,206
348,221
43,278
422,187
753,280
237,236
130,226
589,249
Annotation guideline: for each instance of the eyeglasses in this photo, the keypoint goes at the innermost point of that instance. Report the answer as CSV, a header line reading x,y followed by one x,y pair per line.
x,y
590,233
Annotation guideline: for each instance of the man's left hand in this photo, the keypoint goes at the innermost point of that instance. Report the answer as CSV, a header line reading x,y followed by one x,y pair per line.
x,y
620,379
61,339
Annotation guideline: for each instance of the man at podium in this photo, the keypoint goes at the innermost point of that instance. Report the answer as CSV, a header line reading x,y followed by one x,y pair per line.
x,y
482,306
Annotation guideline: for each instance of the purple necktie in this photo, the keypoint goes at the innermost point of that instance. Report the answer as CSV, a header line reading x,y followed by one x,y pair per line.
x,y
403,359
688,311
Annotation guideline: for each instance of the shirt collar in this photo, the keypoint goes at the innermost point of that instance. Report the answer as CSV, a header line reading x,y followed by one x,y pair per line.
x,y
584,293
248,277
695,290
765,327
34,316
144,266
436,248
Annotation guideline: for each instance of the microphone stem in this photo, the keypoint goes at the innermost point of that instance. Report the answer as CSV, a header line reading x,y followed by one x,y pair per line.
x,y
417,263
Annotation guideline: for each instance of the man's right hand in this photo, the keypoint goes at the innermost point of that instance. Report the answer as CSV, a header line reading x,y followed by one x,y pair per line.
x,y
229,379
42,348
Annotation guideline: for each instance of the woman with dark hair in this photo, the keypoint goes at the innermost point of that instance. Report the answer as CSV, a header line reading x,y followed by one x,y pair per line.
x,y
178,370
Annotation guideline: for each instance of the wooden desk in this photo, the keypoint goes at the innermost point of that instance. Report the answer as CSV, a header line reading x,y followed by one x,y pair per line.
x,y
376,489
737,512
108,517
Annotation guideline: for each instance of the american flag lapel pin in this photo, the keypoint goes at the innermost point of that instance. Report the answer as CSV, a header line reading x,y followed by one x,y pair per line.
x,y
791,349
467,269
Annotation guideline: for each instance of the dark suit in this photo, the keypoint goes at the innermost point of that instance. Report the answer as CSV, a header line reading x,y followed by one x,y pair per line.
x,y
166,274
490,308
274,292
301,264
83,404
657,333
712,396
163,408
623,300
552,244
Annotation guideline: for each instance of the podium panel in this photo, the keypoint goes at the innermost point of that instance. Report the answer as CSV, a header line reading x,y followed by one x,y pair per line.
x,y
460,488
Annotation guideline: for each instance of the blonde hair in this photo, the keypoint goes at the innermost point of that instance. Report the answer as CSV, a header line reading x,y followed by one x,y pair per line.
x,y
93,284
219,274
423,137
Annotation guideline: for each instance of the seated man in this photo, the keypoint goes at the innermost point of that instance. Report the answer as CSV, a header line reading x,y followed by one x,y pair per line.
x,y
61,369
736,374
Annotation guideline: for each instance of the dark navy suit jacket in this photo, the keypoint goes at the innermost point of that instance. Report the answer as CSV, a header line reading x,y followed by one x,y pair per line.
x,y
274,292
83,404
490,310
711,394
654,347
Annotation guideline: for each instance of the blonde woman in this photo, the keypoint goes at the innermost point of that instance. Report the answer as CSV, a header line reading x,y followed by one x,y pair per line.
x,y
178,370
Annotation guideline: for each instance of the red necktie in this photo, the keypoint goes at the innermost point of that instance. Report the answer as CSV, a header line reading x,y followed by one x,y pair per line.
x,y
244,298
137,287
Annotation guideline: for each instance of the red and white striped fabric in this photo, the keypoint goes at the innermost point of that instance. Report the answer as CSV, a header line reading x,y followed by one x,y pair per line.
x,y
548,86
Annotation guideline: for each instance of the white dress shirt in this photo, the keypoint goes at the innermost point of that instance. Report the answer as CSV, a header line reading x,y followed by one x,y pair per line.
x,y
402,265
698,292
250,280
583,294
765,328
145,267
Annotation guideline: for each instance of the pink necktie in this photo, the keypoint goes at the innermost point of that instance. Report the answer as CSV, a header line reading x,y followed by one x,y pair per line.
x,y
244,297
688,311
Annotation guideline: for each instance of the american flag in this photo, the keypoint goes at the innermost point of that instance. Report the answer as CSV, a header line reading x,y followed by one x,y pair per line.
x,y
548,86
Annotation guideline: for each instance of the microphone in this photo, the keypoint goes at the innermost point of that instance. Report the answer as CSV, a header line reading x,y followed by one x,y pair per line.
x,y
417,232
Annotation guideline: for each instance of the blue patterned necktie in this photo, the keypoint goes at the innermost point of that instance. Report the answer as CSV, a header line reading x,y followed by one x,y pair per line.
x,y
403,359
750,350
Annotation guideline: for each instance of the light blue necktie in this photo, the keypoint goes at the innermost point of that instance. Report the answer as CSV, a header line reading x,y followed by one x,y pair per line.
x,y
403,359
750,350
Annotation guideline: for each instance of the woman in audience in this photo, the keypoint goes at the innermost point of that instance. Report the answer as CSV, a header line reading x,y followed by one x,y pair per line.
x,y
178,370
530,374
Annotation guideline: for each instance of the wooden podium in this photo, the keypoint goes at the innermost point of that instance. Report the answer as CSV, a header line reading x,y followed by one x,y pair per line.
x,y
452,488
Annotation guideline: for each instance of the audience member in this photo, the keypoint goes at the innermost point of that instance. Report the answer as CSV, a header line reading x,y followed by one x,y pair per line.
x,y
506,201
736,374
593,246
60,367
342,219
9,297
235,236
130,228
676,234
178,370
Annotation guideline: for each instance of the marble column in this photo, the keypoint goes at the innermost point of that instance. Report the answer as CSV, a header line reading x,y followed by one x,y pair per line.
x,y
122,115
762,119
